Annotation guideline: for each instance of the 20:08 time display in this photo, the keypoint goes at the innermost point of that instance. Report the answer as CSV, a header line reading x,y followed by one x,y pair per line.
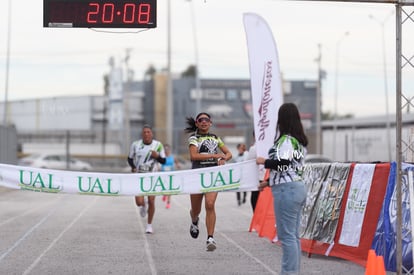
x,y
99,13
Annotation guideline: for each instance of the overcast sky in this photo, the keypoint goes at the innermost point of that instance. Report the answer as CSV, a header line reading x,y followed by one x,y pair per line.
x,y
48,62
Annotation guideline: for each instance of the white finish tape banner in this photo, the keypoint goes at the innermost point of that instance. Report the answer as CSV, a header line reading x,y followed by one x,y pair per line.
x,y
242,176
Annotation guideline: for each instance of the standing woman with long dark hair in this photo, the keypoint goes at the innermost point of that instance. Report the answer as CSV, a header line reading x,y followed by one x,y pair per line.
x,y
286,159
206,150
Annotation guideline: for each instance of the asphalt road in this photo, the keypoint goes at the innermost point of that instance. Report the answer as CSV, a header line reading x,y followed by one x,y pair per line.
x,y
77,234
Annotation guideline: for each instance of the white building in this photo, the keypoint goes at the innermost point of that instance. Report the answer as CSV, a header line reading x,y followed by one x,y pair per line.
x,y
365,139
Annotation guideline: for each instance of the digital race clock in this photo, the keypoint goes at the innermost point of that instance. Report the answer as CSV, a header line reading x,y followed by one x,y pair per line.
x,y
100,13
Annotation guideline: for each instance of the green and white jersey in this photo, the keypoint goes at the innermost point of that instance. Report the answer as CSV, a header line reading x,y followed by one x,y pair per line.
x,y
141,155
206,144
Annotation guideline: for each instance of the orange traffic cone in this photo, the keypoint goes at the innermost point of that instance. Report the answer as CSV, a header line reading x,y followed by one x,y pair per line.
x,y
371,268
380,265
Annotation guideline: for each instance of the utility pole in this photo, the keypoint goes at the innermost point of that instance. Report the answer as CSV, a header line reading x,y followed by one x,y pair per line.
x,y
197,65
6,88
170,106
338,46
319,103
384,68
125,101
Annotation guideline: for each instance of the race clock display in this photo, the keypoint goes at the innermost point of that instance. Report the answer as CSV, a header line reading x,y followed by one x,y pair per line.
x,y
100,13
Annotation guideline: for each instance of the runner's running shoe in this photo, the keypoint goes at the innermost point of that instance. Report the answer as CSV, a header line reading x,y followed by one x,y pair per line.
x,y
211,244
143,210
194,229
149,229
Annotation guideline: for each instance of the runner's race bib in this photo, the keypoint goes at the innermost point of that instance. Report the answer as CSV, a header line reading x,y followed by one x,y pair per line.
x,y
144,168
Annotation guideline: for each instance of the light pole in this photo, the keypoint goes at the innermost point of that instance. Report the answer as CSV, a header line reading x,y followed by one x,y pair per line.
x,y
6,88
384,67
125,101
170,106
318,103
338,44
197,67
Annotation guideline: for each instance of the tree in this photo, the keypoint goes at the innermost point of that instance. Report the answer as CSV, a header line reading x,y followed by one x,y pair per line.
x,y
150,71
329,116
106,84
190,71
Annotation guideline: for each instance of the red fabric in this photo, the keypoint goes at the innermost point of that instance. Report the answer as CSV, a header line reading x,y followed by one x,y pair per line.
x,y
263,220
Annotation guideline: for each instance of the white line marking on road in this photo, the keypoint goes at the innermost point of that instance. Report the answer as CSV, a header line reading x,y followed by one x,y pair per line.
x,y
248,254
33,265
146,246
28,232
235,243
27,212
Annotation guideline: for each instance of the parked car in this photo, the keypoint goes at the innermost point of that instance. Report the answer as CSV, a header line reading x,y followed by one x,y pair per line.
x,y
52,161
315,158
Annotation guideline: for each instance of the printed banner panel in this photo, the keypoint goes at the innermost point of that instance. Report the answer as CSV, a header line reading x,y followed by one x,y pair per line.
x,y
241,176
323,219
356,204
314,177
385,240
